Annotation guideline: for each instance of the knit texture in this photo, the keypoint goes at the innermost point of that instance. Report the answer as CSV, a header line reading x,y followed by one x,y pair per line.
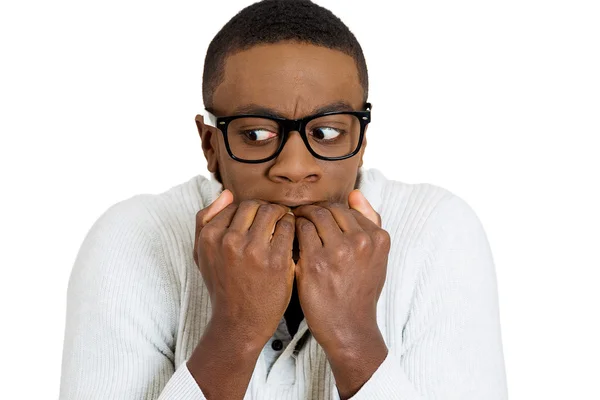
x,y
137,305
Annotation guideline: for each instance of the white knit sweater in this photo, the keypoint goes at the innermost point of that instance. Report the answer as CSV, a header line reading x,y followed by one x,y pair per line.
x,y
137,306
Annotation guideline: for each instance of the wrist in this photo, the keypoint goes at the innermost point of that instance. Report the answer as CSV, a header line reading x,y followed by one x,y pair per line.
x,y
235,335
222,347
354,362
352,341
223,361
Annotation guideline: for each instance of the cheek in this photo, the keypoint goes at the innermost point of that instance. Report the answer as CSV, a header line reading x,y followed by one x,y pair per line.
x,y
344,171
245,180
341,180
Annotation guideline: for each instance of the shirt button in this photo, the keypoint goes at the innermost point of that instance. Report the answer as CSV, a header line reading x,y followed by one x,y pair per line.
x,y
277,345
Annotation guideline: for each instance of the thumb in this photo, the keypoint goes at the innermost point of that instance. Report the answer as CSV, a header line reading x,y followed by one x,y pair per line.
x,y
204,216
359,202
208,213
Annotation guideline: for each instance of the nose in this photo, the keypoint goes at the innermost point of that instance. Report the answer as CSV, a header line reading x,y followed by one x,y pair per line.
x,y
295,163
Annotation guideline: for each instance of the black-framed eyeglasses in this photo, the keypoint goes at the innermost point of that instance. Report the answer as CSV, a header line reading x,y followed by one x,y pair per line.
x,y
332,136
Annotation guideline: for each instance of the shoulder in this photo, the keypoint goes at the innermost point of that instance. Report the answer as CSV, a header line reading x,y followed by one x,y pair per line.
x,y
416,209
154,210
161,223
145,234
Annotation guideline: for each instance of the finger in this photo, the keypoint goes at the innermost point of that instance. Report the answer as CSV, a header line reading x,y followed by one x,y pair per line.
x,y
208,213
264,224
359,202
245,214
223,219
326,226
283,236
307,234
365,223
343,217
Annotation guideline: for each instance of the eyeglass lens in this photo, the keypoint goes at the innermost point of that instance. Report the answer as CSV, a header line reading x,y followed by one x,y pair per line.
x,y
329,136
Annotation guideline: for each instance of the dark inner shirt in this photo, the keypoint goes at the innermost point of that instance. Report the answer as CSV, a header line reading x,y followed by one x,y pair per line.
x,y
293,314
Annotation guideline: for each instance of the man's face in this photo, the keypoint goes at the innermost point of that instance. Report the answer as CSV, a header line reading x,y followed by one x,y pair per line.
x,y
295,80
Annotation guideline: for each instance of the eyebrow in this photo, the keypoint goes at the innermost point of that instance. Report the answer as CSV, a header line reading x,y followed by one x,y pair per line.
x,y
270,112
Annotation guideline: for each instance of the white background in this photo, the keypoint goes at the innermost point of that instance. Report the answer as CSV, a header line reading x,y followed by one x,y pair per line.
x,y
499,102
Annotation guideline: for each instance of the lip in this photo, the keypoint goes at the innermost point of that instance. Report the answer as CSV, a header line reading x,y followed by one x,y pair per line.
x,y
295,204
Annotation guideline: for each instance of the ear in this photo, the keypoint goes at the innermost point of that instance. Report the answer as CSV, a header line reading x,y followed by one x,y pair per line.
x,y
210,143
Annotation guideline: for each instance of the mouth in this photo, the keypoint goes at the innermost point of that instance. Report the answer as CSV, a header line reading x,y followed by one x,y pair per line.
x,y
293,205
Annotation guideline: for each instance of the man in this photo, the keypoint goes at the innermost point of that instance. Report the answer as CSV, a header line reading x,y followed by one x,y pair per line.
x,y
293,273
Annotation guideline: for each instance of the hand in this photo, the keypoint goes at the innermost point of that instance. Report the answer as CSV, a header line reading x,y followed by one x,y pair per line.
x,y
341,270
244,253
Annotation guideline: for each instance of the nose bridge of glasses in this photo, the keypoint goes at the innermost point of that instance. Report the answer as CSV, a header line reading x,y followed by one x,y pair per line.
x,y
291,125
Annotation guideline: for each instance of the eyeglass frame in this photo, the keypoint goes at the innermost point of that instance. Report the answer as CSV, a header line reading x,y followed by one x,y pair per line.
x,y
289,125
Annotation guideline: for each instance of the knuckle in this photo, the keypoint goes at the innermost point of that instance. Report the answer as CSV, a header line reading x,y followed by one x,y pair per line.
x,y
341,252
200,217
382,238
208,233
361,240
278,257
285,224
232,239
305,225
319,266
269,208
275,262
256,255
321,212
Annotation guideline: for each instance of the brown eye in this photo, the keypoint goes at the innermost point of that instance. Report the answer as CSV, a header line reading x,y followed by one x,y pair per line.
x,y
258,134
326,133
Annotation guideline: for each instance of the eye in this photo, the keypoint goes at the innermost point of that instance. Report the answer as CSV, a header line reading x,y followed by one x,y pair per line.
x,y
326,133
258,134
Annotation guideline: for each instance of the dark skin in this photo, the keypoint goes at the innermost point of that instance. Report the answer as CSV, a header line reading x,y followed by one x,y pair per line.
x,y
244,240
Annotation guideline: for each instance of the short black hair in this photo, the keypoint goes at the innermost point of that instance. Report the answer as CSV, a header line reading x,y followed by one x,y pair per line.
x,y
272,21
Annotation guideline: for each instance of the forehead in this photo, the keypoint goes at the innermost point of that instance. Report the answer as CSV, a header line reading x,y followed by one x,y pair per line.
x,y
294,78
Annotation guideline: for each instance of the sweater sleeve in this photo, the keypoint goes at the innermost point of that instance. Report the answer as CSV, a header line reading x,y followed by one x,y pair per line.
x,y
452,345
122,313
